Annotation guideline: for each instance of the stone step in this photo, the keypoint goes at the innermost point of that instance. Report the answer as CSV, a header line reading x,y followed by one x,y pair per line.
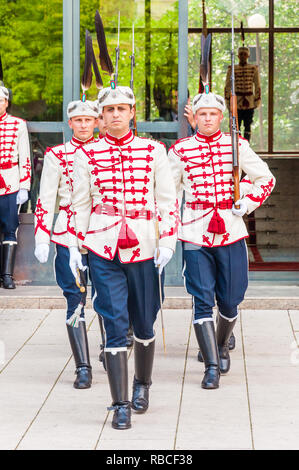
x,y
258,296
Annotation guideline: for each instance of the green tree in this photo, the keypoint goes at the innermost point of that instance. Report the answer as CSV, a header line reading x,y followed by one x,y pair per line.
x,y
31,52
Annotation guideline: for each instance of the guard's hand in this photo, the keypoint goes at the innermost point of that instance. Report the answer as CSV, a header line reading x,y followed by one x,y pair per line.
x,y
242,209
161,257
188,113
75,260
22,196
41,252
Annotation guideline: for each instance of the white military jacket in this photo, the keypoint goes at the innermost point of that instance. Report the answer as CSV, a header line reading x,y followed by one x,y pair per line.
x,y
202,167
124,186
56,180
15,165
247,86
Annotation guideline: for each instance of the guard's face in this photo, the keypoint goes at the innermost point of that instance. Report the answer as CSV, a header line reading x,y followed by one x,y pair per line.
x,y
208,120
117,118
101,125
83,126
243,57
3,105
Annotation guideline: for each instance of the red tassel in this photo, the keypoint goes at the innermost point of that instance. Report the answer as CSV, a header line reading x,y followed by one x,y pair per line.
x,y
127,238
216,224
2,183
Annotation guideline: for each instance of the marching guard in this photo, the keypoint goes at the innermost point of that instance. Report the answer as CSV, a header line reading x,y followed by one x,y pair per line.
x,y
15,177
212,229
118,182
56,180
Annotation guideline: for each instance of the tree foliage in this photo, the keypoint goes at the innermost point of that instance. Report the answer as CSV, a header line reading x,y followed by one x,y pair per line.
x,y
31,52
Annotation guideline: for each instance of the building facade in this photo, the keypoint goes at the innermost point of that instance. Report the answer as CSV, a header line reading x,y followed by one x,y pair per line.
x,y
42,55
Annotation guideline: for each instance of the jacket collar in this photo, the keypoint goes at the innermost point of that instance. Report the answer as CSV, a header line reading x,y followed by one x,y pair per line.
x,y
77,142
208,138
119,142
3,117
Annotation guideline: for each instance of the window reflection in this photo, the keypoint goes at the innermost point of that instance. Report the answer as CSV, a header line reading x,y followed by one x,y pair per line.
x,y
156,46
217,12
286,13
31,56
286,92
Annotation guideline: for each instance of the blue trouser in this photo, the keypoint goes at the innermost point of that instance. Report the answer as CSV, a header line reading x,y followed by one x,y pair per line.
x,y
66,281
217,271
125,291
9,219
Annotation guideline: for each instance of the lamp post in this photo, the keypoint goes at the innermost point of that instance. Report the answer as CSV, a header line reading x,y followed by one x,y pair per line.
x,y
258,21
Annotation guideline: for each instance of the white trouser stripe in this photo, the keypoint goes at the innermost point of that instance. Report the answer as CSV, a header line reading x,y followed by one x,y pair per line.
x,y
145,342
227,318
114,351
202,320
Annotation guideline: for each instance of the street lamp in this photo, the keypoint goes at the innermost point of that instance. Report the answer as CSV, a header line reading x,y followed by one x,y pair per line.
x,y
256,21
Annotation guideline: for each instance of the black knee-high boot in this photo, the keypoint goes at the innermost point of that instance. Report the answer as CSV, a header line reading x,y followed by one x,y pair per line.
x,y
223,333
231,342
102,355
144,351
8,264
117,370
205,334
79,345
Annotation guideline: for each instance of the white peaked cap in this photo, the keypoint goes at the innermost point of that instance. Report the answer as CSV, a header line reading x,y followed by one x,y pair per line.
x,y
83,108
118,95
4,93
208,100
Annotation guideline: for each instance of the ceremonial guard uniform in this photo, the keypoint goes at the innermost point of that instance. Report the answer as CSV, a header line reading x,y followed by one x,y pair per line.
x,y
117,183
248,91
213,230
15,175
56,180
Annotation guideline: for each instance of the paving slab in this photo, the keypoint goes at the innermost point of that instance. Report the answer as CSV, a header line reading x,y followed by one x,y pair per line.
x,y
19,325
157,429
209,418
294,316
26,381
72,419
273,379
254,408
259,295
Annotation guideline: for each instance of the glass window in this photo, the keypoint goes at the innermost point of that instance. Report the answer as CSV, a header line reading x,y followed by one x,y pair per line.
x,y
31,56
286,92
221,49
286,13
218,12
156,46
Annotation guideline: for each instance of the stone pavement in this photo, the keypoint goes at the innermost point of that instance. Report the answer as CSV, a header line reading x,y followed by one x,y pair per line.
x,y
256,406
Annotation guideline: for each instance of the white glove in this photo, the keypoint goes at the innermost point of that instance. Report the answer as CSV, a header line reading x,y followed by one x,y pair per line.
x,y
165,255
22,196
42,252
75,260
243,208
